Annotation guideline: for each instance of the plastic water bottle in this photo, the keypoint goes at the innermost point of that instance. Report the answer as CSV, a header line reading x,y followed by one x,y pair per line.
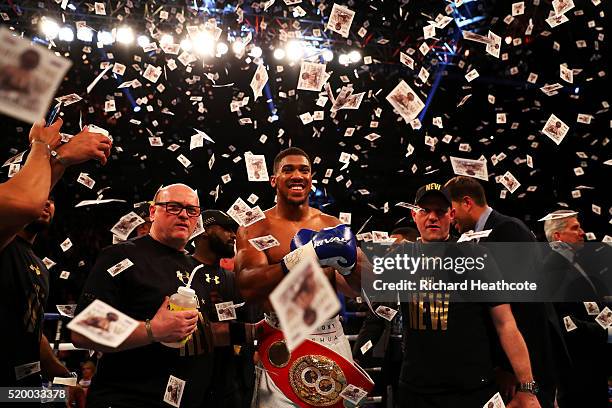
x,y
184,299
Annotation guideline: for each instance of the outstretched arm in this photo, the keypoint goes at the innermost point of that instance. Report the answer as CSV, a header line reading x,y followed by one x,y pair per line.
x,y
82,147
23,197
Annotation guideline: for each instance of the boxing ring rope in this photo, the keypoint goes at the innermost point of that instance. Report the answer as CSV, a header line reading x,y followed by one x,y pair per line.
x,y
71,347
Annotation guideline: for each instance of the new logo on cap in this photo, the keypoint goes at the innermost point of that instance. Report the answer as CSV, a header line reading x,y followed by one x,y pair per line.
x,y
433,186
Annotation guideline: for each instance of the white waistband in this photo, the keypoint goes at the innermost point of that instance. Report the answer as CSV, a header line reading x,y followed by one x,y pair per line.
x,y
331,327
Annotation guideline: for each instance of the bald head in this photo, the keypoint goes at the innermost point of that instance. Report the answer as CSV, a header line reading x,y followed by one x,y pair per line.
x,y
170,190
173,230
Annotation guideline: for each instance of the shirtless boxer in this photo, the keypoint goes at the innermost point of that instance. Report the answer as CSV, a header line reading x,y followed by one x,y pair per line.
x,y
258,273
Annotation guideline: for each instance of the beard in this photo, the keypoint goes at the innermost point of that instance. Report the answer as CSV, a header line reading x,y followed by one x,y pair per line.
x,y
220,248
37,226
297,203
293,201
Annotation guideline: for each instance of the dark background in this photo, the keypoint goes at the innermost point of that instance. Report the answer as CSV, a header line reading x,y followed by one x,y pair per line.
x,y
382,168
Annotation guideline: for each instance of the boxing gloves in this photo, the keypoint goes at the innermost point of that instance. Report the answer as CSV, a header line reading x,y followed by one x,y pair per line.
x,y
334,246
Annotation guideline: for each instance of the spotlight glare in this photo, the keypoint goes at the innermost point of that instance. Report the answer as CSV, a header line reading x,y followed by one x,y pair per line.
x,y
66,34
204,44
105,37
354,56
508,40
166,39
328,55
49,28
295,50
256,52
186,44
85,34
143,40
222,48
238,46
343,59
310,50
279,53
125,35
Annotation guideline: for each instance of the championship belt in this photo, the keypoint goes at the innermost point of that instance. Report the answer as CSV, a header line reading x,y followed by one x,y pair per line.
x,y
310,375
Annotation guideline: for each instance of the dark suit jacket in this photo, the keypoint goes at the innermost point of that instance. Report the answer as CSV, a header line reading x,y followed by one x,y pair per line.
x,y
586,382
537,322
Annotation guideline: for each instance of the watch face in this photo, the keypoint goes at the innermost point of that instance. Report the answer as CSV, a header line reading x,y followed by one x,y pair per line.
x,y
531,387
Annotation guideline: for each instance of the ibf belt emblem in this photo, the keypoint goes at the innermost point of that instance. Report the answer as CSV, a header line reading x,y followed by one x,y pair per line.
x,y
317,380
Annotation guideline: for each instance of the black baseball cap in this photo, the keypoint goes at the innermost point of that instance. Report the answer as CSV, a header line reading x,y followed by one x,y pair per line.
x,y
432,188
217,217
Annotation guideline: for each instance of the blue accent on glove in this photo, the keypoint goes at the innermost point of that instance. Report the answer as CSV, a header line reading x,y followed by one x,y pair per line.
x,y
301,238
334,246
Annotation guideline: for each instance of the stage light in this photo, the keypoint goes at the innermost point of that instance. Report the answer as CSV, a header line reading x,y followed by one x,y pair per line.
x,y
105,37
238,46
328,55
143,40
137,108
222,48
66,34
256,52
279,53
295,50
85,34
508,40
310,50
49,28
344,59
186,44
354,56
125,35
166,39
204,44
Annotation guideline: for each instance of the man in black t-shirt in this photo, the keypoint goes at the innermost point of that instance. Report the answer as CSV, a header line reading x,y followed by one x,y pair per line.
x,y
447,360
137,373
216,242
24,279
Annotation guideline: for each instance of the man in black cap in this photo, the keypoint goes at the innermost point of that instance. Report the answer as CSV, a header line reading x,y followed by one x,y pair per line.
x,y
447,360
215,243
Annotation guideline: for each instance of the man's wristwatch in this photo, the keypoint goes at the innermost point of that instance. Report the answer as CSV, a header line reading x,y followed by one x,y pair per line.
x,y
149,331
530,387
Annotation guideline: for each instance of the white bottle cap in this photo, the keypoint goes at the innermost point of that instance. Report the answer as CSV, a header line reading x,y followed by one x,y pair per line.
x,y
185,291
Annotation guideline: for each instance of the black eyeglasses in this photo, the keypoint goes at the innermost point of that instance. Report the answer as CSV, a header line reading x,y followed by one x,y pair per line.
x,y
174,208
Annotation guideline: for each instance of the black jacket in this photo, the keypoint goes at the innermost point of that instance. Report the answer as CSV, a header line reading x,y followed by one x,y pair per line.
x,y
586,383
537,322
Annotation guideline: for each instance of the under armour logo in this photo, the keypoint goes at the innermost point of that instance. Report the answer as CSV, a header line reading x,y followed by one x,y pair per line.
x,y
208,279
182,276
35,269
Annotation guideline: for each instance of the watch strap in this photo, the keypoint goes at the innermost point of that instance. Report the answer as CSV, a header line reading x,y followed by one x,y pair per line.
x,y
149,330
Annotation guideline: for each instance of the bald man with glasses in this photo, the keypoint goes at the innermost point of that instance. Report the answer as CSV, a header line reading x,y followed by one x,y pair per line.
x,y
137,373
